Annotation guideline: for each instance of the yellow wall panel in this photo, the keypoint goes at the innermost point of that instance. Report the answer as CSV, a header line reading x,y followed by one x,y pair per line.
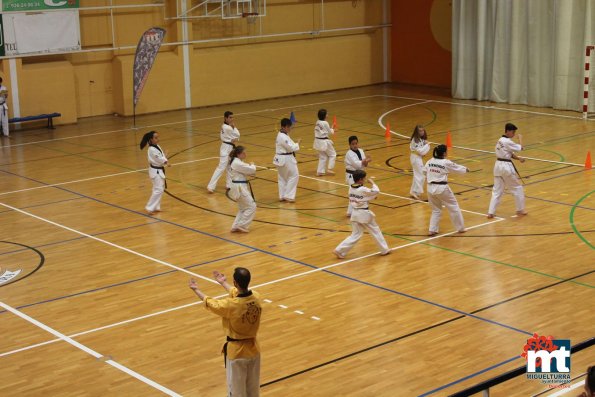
x,y
48,87
220,72
255,71
164,89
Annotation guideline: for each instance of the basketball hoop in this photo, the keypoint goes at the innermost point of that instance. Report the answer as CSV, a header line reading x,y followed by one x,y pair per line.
x,y
250,17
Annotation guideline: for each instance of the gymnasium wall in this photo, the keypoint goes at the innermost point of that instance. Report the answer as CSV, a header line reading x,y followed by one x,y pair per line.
x,y
421,42
97,83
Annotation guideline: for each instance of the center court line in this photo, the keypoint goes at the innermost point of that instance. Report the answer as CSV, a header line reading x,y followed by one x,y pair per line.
x,y
90,351
99,177
305,273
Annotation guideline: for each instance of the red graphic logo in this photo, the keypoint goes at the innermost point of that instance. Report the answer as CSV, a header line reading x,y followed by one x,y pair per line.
x,y
537,343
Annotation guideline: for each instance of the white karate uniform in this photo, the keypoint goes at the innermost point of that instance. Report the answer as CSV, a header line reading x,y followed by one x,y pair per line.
x,y
228,134
353,163
437,170
156,158
506,176
324,146
286,163
3,112
418,151
362,218
240,192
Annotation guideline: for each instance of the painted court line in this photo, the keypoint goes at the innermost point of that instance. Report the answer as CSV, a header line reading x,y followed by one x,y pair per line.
x,y
108,243
425,100
89,351
381,193
134,319
99,177
189,121
462,147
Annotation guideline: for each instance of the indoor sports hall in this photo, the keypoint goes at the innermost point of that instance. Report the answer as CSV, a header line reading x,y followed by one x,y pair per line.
x,y
94,295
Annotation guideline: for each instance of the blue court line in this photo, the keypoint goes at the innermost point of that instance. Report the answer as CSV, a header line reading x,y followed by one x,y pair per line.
x,y
431,303
278,256
469,376
41,205
126,282
80,238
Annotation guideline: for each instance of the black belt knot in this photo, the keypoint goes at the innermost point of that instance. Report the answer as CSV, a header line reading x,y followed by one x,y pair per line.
x,y
224,351
349,172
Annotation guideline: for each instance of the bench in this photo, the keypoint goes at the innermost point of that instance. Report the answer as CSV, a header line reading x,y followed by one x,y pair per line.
x,y
49,116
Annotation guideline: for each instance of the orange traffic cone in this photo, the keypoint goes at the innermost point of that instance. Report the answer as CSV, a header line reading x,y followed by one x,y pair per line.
x,y
588,164
387,134
335,125
448,140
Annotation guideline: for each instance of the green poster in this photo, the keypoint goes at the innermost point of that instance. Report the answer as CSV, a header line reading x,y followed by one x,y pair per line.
x,y
33,5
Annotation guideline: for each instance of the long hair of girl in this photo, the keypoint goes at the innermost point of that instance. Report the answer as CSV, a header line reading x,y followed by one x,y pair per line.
x,y
439,151
234,153
415,136
146,139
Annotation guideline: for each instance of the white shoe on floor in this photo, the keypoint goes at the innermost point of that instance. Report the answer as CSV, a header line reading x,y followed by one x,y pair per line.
x,y
338,254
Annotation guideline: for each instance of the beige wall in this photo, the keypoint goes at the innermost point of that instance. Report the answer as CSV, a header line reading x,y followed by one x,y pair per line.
x,y
100,83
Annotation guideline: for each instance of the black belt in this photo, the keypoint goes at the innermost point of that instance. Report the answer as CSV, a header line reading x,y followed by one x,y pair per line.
x,y
159,168
439,183
320,138
224,350
349,172
513,166
249,185
285,154
229,143
367,208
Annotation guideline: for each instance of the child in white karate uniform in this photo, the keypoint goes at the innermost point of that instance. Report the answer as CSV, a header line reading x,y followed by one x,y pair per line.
x,y
362,218
323,145
439,193
240,190
157,162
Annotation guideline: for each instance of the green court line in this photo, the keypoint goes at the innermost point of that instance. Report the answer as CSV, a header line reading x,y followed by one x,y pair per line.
x,y
562,158
401,175
494,261
88,158
571,218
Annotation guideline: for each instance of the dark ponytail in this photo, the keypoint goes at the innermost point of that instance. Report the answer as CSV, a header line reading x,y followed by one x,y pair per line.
x,y
234,153
146,139
439,151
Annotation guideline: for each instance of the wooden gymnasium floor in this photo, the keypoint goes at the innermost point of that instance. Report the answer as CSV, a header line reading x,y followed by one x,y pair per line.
x,y
102,307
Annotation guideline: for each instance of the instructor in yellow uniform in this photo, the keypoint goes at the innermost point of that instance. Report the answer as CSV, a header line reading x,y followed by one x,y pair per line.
x,y
240,314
